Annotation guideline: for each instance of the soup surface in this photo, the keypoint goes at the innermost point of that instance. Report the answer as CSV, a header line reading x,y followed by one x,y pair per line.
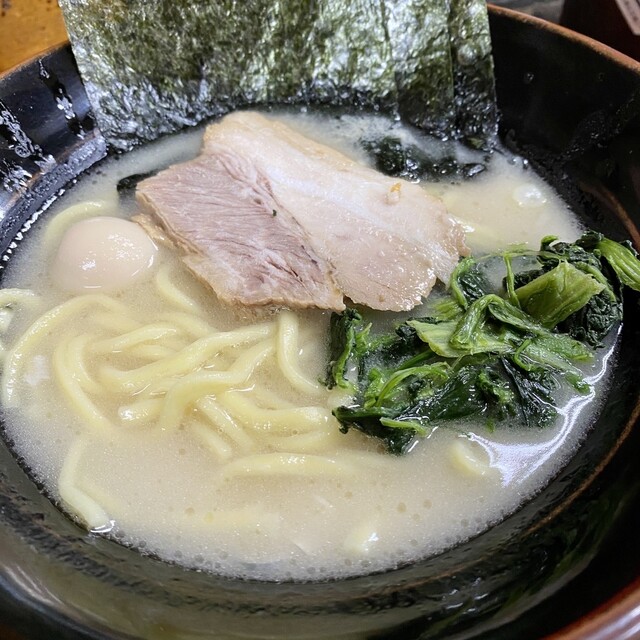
x,y
154,415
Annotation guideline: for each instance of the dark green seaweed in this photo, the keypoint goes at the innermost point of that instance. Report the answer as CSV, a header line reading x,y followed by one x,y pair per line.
x,y
155,66
394,158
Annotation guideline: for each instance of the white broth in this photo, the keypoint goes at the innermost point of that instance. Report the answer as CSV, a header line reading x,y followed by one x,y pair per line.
x,y
253,478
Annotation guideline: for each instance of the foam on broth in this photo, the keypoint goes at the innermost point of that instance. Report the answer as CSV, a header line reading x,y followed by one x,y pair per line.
x,y
167,495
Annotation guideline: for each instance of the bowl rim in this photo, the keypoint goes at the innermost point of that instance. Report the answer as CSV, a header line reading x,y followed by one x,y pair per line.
x,y
619,616
579,38
615,619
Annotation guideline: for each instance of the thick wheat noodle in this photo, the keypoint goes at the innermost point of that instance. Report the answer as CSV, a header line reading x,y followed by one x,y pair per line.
x,y
141,411
173,384
226,424
189,323
146,333
201,383
309,442
78,501
43,326
173,294
275,420
68,383
221,449
109,502
76,362
287,354
185,361
270,399
287,464
185,392
152,352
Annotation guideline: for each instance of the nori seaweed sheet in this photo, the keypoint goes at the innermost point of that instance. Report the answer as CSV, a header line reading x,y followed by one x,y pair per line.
x,y
476,112
152,67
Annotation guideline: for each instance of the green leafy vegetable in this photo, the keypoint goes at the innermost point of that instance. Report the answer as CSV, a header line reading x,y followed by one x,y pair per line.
x,y
343,330
603,311
622,260
486,351
557,294
468,282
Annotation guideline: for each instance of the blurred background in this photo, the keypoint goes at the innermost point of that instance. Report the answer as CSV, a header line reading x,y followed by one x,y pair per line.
x,y
28,27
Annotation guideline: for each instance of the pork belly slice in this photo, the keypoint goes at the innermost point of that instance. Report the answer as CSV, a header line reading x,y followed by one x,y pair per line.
x,y
219,212
380,241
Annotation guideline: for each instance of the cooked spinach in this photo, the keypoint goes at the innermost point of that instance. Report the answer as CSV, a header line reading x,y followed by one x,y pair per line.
x,y
344,328
487,351
593,321
557,294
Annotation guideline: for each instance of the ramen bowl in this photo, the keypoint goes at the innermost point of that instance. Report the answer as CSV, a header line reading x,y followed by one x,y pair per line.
x,y
572,108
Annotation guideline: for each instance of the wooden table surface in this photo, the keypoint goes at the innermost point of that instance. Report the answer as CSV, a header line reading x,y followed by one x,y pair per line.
x,y
28,27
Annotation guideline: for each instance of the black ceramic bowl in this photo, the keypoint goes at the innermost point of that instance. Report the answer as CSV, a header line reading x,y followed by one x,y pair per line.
x,y
574,110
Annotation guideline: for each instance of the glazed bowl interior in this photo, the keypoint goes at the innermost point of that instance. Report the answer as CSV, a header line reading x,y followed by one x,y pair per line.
x,y
574,111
